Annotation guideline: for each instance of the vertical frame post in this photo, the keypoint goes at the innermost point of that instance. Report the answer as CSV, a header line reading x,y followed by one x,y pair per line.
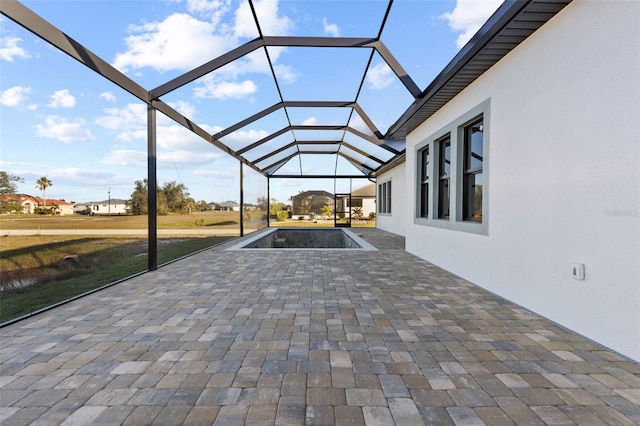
x,y
241,201
152,184
268,202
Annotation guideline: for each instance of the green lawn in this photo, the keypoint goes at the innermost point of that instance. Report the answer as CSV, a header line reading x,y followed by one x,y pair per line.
x,y
99,261
194,220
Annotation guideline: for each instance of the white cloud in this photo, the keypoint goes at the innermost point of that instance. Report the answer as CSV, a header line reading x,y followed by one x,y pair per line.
x,y
285,73
62,99
331,29
127,120
176,138
60,128
243,137
380,76
271,23
166,159
218,171
468,16
310,121
184,108
107,96
126,157
179,42
9,49
213,87
14,96
358,123
214,9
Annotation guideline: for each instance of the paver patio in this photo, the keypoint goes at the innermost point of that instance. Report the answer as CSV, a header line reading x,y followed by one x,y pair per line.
x,y
306,337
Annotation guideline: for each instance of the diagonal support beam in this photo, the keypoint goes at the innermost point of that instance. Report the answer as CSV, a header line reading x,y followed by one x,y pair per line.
x,y
28,19
193,127
395,66
202,70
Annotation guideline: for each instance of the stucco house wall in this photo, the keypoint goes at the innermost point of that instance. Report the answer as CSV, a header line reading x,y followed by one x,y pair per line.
x,y
562,158
401,201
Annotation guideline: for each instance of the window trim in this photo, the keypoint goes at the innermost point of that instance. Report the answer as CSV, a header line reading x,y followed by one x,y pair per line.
x,y
424,181
384,197
455,131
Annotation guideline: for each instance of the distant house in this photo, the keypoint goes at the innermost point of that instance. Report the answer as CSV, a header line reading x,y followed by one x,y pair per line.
x,y
30,204
310,203
114,206
226,206
363,198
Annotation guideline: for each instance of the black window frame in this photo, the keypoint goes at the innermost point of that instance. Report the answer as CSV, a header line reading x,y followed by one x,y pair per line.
x,y
425,162
444,147
384,197
471,170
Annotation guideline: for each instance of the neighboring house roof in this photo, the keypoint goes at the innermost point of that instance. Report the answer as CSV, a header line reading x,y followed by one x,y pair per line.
x,y
20,198
112,202
314,193
52,201
228,204
365,191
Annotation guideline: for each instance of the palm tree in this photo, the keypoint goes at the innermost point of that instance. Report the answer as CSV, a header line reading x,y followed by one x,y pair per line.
x,y
42,184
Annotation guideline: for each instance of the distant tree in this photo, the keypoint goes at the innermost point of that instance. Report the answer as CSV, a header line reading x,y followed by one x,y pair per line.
x,y
42,184
8,183
275,207
326,210
203,205
262,202
357,212
8,188
177,197
171,198
139,197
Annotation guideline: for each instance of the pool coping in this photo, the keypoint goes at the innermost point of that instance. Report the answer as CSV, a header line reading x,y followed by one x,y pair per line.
x,y
364,245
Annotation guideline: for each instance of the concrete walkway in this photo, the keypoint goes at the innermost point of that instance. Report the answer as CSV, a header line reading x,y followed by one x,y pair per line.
x,y
306,337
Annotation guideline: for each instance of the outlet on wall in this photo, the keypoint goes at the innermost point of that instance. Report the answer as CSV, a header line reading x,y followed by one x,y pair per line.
x,y
577,271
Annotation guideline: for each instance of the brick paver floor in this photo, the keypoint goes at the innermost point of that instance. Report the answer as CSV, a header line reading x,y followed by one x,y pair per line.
x,y
306,337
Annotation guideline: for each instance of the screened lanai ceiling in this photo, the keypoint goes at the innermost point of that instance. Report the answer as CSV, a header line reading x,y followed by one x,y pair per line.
x,y
304,103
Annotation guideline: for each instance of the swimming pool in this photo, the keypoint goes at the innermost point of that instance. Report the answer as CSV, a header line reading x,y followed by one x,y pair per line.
x,y
305,239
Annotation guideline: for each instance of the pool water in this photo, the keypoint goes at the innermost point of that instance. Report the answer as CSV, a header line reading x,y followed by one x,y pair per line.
x,y
306,238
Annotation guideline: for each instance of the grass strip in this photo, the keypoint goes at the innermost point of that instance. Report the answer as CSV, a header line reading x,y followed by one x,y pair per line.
x,y
109,265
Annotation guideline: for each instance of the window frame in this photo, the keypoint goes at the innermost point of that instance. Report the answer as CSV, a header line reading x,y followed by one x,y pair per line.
x,y
384,197
468,171
424,209
455,132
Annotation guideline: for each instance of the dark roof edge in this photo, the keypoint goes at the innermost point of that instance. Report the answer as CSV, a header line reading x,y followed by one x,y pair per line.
x,y
396,161
496,23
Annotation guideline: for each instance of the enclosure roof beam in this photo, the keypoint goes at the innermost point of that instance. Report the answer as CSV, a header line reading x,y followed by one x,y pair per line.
x,y
26,18
205,69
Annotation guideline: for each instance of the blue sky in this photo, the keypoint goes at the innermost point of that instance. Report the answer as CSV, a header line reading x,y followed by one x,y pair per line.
x,y
60,120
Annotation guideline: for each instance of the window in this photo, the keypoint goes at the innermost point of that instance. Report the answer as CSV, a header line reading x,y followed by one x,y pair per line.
x,y
425,159
384,197
355,202
452,174
444,172
472,180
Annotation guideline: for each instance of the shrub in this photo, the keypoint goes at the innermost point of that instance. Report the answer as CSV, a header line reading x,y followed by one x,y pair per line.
x,y
282,216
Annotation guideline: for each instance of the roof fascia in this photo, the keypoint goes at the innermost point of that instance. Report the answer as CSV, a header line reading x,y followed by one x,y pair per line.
x,y
505,13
